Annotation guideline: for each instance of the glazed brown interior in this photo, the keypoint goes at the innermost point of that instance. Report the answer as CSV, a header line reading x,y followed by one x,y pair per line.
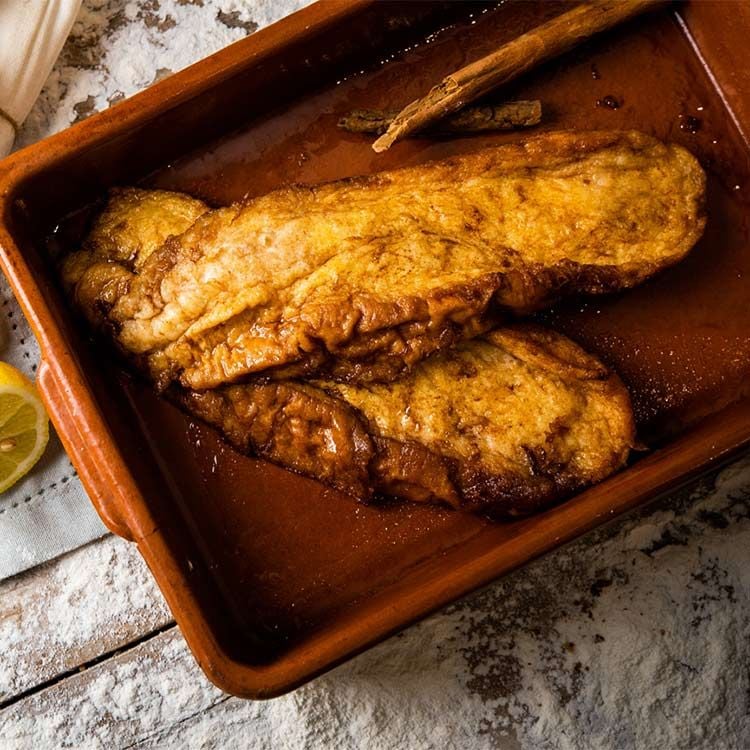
x,y
275,558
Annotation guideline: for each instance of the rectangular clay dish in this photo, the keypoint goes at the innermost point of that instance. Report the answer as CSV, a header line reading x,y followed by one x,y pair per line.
x,y
272,577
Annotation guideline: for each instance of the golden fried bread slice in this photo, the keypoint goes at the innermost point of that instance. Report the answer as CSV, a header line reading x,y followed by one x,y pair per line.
x,y
506,423
360,279
132,226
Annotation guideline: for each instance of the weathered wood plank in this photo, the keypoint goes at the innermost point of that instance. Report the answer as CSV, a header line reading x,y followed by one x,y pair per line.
x,y
532,654
72,610
123,700
154,696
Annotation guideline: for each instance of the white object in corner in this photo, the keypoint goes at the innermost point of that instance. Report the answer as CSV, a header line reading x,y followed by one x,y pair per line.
x,y
32,33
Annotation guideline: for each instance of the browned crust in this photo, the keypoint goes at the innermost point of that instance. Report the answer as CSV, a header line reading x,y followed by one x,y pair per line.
x,y
366,338
297,426
305,429
395,347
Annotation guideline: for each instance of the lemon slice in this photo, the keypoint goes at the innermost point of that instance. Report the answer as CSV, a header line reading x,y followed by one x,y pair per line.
x,y
24,426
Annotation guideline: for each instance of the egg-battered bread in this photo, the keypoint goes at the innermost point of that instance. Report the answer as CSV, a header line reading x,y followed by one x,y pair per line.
x,y
506,423
358,280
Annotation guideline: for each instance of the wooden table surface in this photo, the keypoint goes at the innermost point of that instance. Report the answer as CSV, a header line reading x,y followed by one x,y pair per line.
x,y
636,636
638,631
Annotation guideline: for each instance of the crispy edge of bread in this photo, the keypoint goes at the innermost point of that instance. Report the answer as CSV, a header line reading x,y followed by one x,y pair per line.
x,y
303,428
393,341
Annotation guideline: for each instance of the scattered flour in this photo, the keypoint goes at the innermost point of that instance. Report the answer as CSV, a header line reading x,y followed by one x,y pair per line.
x,y
117,48
637,636
71,613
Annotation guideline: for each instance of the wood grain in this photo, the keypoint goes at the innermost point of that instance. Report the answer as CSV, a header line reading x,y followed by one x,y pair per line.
x,y
119,703
73,610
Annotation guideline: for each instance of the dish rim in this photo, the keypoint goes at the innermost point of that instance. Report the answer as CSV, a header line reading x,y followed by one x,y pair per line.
x,y
111,485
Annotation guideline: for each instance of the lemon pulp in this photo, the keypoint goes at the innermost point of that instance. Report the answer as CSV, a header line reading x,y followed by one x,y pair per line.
x,y
24,426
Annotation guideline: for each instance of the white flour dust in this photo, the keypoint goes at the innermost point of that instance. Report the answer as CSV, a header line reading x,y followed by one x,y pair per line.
x,y
118,48
635,637
98,604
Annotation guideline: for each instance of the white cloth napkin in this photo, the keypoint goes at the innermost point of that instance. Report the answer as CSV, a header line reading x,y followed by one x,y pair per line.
x,y
47,513
32,33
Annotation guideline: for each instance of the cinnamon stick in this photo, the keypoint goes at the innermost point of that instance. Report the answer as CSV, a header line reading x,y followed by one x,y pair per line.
x,y
508,62
506,116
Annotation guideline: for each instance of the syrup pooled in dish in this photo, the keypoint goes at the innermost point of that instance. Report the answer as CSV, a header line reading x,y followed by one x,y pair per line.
x,y
344,330
506,423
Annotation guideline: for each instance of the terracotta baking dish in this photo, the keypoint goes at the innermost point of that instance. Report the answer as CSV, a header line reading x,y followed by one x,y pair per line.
x,y
272,577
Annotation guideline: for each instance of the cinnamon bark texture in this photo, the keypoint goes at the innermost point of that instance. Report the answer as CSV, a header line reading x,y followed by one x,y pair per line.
x,y
506,116
508,62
